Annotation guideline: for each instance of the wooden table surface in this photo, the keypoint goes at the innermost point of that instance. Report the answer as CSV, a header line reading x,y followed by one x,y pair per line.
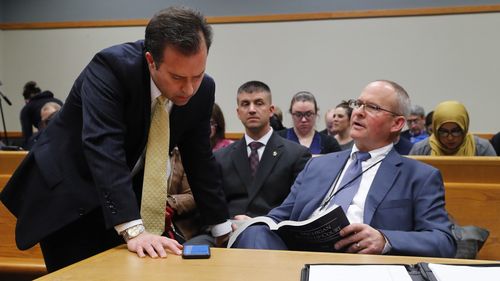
x,y
224,264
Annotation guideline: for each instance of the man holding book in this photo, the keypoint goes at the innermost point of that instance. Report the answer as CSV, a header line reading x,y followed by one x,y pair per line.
x,y
395,205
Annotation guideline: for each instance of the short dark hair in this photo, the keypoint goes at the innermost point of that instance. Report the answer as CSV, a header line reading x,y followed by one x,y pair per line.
x,y
255,87
304,96
30,89
178,27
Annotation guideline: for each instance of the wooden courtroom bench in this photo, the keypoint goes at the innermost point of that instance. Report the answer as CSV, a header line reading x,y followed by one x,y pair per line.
x,y
9,160
484,169
15,264
472,186
477,204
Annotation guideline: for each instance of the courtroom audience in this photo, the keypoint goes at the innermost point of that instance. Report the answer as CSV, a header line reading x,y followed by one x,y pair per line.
x,y
277,119
259,169
428,122
218,129
30,113
395,204
342,125
46,114
416,125
495,141
451,136
182,220
304,111
329,123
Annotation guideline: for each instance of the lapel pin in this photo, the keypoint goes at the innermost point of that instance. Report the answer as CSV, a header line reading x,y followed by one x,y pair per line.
x,y
275,153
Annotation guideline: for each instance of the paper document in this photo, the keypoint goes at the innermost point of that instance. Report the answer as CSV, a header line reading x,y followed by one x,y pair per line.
x,y
466,273
330,272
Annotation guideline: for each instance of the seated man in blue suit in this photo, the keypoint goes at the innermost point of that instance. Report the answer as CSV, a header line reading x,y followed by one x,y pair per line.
x,y
254,193
399,207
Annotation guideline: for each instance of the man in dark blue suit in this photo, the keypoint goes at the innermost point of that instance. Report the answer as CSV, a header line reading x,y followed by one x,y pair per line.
x,y
399,206
81,184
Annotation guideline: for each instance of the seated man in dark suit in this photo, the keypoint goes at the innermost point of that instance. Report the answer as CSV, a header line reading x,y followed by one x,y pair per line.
x,y
416,125
395,204
254,187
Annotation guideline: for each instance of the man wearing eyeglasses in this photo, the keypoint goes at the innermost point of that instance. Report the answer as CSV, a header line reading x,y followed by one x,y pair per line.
x,y
416,125
397,205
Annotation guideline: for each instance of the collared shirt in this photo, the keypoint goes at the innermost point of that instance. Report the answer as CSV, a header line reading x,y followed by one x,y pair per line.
x,y
264,139
355,212
216,230
417,138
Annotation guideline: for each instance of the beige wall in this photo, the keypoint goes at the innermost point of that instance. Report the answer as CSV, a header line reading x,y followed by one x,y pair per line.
x,y
435,58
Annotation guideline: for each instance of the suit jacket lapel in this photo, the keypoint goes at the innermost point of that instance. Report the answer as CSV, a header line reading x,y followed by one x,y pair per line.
x,y
271,155
239,156
337,164
382,183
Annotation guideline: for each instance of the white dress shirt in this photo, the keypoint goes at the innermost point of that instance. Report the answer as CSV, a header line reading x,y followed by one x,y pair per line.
x,y
264,139
355,212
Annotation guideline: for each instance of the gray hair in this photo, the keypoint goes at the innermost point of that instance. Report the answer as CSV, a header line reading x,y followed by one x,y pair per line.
x,y
417,110
402,99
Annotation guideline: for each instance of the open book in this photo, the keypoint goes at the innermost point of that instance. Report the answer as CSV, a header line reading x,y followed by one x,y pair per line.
x,y
315,234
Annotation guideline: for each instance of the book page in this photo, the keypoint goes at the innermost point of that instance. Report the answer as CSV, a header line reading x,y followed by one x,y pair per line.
x,y
444,272
267,220
309,220
328,272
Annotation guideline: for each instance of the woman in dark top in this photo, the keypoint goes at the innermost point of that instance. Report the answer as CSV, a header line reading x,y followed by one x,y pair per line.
x,y
304,110
30,114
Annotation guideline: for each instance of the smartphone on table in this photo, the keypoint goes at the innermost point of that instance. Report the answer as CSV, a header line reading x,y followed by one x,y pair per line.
x,y
196,252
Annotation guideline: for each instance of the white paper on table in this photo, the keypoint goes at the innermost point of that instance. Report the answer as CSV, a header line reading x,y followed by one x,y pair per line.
x,y
329,272
444,272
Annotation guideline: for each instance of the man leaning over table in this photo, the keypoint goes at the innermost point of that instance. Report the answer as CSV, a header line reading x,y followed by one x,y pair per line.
x,y
399,208
80,188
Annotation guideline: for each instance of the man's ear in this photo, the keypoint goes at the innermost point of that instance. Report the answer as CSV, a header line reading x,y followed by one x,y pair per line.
x,y
150,60
399,123
271,110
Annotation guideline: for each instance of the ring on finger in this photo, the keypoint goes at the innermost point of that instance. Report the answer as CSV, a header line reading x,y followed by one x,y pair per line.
x,y
358,246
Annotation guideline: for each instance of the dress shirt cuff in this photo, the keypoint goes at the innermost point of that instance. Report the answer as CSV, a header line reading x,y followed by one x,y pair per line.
x,y
221,228
387,245
121,227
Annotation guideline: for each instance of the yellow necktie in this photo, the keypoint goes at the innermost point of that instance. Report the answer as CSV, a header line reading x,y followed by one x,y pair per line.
x,y
154,189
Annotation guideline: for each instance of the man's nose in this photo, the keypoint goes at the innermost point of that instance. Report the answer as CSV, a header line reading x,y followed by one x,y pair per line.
x,y
252,108
188,89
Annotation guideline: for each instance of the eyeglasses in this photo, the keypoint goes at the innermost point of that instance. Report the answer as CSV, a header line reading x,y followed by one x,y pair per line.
x,y
299,115
457,132
412,121
369,107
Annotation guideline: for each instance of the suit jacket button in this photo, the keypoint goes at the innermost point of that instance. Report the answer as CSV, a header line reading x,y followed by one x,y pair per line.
x,y
81,211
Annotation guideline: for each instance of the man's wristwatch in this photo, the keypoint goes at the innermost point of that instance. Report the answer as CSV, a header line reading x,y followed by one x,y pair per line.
x,y
132,232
